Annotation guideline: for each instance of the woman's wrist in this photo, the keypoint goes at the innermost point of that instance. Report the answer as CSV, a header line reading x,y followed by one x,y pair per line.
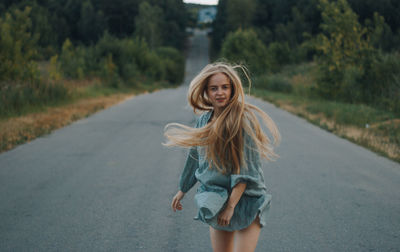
x,y
231,206
231,203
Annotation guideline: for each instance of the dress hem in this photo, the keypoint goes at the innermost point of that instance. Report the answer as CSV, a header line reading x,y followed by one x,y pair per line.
x,y
261,213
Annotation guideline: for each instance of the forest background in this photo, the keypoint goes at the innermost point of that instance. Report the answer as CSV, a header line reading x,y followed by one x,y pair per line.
x,y
335,63
61,60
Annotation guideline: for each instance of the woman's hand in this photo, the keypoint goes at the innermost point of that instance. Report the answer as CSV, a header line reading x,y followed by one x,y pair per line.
x,y
225,216
176,201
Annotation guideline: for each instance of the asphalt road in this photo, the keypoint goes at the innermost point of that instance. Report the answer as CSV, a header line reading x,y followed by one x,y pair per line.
x,y
105,183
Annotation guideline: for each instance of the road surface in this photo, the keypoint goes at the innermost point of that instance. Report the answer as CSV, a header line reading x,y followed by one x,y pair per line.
x,y
105,183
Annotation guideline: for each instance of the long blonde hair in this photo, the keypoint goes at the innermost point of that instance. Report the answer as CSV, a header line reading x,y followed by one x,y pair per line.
x,y
223,138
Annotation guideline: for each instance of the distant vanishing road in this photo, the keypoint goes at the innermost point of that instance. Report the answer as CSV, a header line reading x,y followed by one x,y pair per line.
x,y
105,183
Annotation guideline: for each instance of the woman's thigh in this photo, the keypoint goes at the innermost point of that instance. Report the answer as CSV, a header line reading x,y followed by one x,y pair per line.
x,y
246,239
221,241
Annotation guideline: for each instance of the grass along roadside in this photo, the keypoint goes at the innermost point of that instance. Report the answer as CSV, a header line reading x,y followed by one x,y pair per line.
x,y
88,97
374,129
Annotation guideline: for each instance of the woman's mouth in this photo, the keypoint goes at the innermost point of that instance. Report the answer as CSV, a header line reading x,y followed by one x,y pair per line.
x,y
220,100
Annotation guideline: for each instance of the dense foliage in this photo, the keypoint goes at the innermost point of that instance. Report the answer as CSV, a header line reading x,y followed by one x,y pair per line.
x,y
122,42
85,21
243,46
355,44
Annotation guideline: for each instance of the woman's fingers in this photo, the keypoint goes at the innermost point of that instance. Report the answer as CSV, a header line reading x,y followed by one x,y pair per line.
x,y
179,206
176,204
176,201
224,218
223,222
173,204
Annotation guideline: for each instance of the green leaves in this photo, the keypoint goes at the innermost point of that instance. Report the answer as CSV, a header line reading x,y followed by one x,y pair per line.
x,y
17,47
343,45
148,24
243,46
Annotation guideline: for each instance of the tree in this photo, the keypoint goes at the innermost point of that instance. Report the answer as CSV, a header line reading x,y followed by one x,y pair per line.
x,y
91,23
389,9
243,46
380,33
292,31
148,24
220,28
120,15
42,26
72,61
344,47
174,23
240,14
17,47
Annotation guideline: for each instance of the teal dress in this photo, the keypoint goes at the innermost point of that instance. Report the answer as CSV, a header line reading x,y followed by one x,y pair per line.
x,y
215,187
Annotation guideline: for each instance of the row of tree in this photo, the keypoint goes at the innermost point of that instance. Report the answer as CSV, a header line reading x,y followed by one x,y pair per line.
x,y
53,21
294,21
355,43
123,42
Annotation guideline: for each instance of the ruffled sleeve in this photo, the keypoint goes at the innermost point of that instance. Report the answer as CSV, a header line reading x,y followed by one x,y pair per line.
x,y
251,174
188,179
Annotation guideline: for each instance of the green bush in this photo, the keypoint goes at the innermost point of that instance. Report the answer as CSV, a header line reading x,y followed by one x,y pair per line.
x,y
275,83
351,84
381,81
243,46
92,62
120,61
127,57
109,72
278,55
173,62
132,57
72,61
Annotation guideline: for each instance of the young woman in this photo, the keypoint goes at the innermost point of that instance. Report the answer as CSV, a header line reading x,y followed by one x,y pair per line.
x,y
225,149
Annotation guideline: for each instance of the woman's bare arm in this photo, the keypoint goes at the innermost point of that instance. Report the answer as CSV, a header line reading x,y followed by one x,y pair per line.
x,y
225,216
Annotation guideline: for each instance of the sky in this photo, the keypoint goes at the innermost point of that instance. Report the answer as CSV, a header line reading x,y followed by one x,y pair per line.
x,y
208,2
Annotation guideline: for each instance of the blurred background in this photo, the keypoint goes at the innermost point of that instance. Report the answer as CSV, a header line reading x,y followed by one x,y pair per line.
x,y
335,63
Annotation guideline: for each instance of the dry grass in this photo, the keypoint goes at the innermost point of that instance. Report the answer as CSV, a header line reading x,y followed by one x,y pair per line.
x,y
369,137
21,129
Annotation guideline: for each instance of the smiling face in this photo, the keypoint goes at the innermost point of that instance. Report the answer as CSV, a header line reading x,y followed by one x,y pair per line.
x,y
219,90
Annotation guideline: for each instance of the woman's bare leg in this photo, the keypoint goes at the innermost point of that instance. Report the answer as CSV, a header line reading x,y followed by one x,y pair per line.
x,y
246,239
221,241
